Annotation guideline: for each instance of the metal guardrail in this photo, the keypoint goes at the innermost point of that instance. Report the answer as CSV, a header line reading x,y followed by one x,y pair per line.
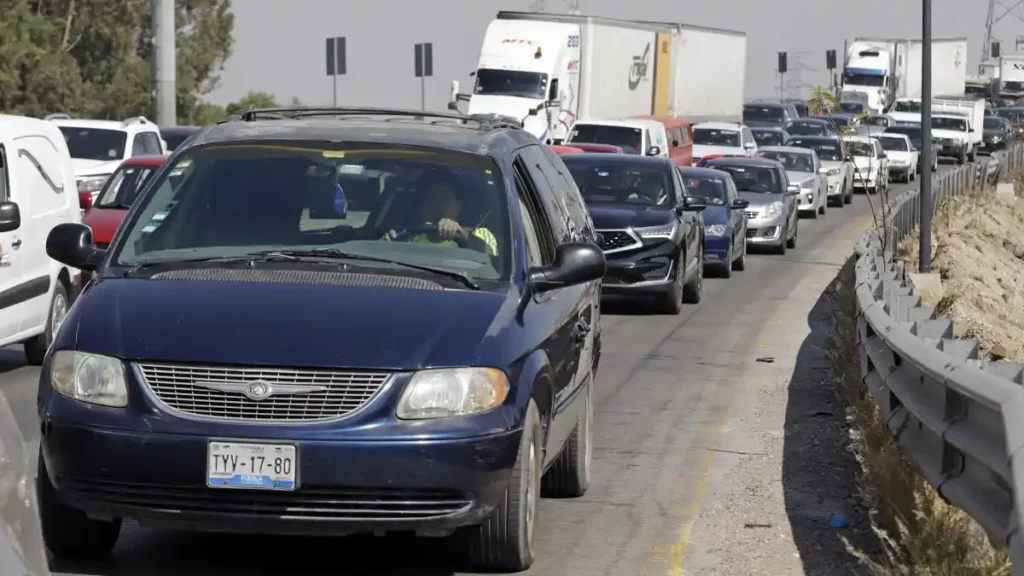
x,y
959,418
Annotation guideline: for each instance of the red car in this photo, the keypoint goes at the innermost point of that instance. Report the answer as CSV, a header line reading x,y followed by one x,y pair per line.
x,y
116,197
594,147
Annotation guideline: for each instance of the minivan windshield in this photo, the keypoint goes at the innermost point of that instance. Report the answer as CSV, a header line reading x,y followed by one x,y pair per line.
x,y
628,138
95,143
426,207
620,182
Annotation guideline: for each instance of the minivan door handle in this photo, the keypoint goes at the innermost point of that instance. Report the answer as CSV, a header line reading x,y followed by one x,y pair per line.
x,y
16,244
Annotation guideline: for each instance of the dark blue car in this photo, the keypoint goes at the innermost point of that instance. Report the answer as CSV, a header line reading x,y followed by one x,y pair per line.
x,y
254,355
725,222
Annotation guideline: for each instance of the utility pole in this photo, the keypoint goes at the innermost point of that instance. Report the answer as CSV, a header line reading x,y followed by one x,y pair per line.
x,y
165,103
924,264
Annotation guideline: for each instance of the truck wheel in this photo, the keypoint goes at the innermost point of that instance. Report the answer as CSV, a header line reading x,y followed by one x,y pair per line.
x,y
67,532
974,155
962,158
504,542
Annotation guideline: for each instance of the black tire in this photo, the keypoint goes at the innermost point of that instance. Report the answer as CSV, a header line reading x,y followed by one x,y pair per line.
x,y
36,347
821,209
694,290
962,159
973,156
791,243
67,532
671,302
569,476
725,270
504,542
740,263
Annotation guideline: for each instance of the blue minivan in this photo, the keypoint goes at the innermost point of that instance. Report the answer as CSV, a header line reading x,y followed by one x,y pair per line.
x,y
254,355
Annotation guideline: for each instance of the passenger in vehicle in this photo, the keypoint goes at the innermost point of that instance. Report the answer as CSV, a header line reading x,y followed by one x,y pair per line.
x,y
440,205
652,188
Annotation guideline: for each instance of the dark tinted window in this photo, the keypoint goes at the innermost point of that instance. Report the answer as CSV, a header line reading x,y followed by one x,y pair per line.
x,y
994,123
807,128
879,121
769,138
511,83
858,148
913,133
893,144
716,137
840,121
940,123
711,188
630,139
907,106
651,185
759,112
761,179
794,161
175,139
852,107
95,143
378,201
123,186
827,150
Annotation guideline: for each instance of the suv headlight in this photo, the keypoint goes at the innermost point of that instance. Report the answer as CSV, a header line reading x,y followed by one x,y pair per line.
x,y
89,378
715,230
653,232
452,392
773,210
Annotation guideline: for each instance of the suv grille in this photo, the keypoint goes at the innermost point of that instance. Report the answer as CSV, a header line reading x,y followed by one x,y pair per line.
x,y
616,239
218,392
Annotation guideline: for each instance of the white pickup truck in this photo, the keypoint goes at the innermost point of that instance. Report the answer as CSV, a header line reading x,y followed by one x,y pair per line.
x,y
957,128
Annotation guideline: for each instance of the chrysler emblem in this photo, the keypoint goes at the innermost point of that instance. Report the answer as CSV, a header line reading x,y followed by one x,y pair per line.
x,y
258,390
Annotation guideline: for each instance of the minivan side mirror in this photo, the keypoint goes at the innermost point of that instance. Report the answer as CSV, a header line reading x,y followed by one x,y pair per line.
x,y
71,244
575,263
653,151
10,217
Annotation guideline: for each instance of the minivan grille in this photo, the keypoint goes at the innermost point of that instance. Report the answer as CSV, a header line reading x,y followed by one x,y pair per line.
x,y
219,392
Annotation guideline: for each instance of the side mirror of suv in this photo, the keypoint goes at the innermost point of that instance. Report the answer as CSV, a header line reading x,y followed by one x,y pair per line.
x,y
694,204
575,263
71,244
10,217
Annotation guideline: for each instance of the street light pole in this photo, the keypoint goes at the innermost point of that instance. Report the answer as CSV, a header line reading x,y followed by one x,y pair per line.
x,y
925,227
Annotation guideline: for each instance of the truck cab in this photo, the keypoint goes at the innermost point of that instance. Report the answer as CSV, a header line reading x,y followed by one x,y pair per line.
x,y
905,111
868,71
529,70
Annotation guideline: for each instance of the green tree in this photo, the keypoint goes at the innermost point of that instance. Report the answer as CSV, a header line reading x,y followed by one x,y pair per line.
x,y
253,100
91,58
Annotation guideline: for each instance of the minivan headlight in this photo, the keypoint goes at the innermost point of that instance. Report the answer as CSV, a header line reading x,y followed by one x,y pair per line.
x,y
449,392
89,378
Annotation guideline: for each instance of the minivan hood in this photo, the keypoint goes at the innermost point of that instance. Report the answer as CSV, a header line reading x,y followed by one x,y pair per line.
x,y
286,324
609,216
84,167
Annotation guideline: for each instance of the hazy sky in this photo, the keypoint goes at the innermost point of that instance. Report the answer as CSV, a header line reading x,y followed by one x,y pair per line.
x,y
279,45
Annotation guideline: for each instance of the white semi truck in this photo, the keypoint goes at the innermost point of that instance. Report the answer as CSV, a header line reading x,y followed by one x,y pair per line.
x,y
549,70
884,69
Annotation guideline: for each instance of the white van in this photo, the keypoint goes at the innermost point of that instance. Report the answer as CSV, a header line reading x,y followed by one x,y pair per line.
x,y
37,192
635,136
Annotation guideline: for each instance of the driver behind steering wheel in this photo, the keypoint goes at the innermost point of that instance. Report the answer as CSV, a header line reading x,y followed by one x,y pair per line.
x,y
440,207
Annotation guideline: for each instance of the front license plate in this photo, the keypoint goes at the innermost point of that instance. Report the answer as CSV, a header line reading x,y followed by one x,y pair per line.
x,y
251,466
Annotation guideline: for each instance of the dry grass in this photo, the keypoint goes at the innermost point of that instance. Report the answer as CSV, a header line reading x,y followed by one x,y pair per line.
x,y
978,245
920,534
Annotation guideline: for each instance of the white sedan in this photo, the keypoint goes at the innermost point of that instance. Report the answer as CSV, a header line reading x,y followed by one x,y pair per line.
x,y
904,159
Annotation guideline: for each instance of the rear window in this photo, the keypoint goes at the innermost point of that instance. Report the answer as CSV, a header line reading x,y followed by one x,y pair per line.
x,y
630,139
769,138
827,150
756,112
711,188
95,143
759,179
716,137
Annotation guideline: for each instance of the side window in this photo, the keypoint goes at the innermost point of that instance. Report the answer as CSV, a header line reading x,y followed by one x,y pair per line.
x,y
151,143
528,197
548,193
533,251
675,138
687,138
575,206
730,190
681,191
138,145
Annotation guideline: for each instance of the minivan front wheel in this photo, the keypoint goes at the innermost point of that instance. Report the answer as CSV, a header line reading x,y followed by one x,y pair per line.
x,y
68,532
504,542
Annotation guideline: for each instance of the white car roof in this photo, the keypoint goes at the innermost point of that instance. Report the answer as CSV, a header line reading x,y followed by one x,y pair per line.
x,y
718,126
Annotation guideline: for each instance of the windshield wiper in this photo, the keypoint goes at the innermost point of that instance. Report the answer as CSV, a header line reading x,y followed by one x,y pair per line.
x,y
331,253
267,256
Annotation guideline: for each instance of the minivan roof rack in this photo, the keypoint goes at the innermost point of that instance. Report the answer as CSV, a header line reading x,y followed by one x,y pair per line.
x,y
484,121
57,116
133,120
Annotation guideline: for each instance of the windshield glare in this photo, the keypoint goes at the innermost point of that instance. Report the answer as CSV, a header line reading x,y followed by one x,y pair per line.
x,y
716,137
858,148
381,201
894,144
511,83
958,124
791,161
711,189
757,179
629,139
123,187
651,186
754,112
94,143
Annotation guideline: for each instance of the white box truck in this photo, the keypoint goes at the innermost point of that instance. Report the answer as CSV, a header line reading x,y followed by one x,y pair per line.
x,y
958,125
885,69
548,70
1011,76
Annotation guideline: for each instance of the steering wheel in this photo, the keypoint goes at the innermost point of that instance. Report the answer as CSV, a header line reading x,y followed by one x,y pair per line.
x,y
427,228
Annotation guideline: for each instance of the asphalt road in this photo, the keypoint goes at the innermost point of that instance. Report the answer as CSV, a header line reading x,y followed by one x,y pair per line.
x,y
662,399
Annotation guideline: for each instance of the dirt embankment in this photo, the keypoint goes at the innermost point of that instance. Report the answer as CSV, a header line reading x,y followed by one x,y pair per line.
x,y
978,242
